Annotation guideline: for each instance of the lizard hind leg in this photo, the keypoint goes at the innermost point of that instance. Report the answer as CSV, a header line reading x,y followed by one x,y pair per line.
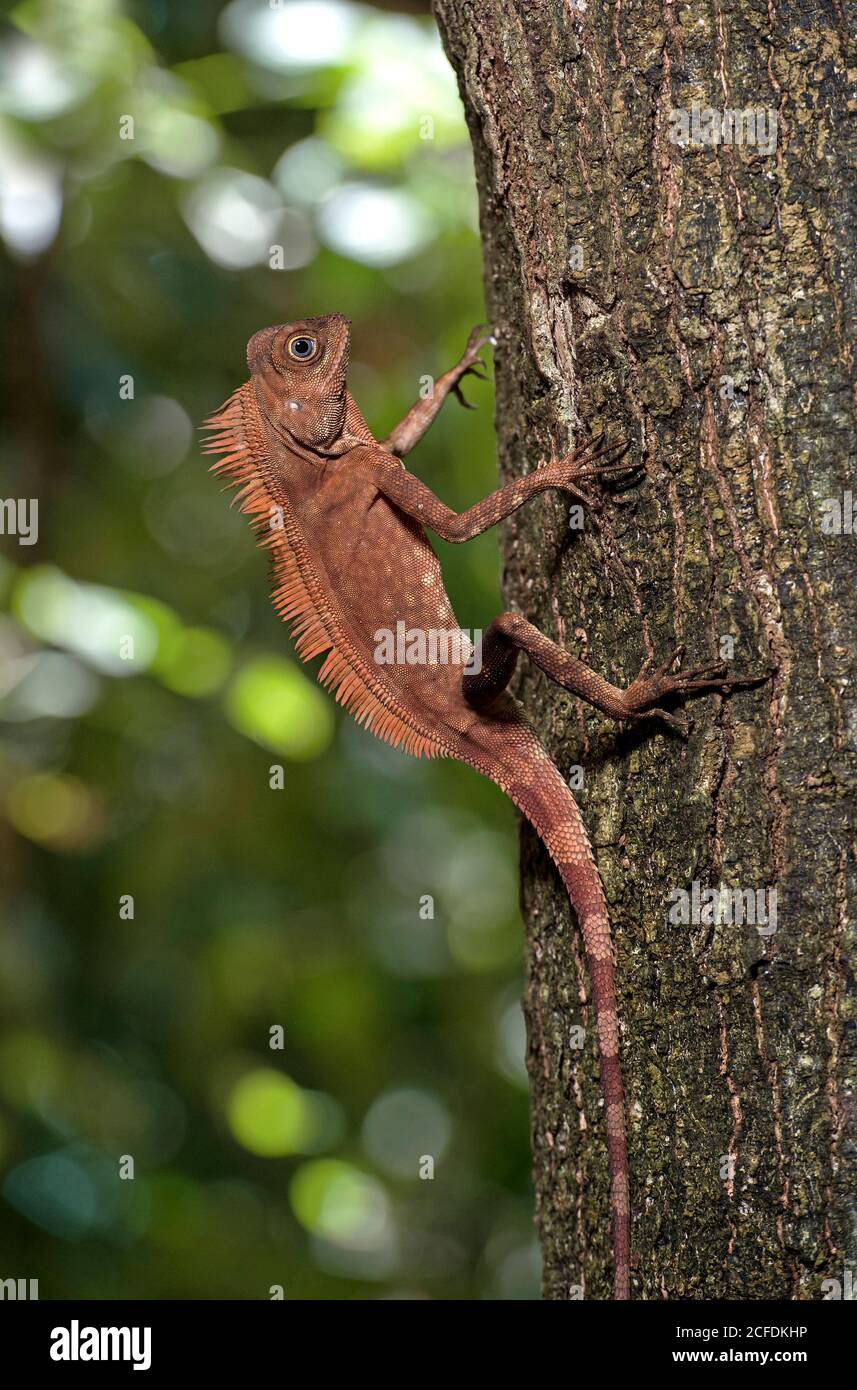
x,y
510,633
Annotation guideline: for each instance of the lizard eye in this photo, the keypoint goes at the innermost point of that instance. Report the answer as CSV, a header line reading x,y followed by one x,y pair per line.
x,y
303,347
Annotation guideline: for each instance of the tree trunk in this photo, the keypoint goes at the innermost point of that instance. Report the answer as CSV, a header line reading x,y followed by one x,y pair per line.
x,y
698,299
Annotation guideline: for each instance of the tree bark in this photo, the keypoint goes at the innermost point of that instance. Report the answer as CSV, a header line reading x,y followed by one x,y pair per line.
x,y
699,300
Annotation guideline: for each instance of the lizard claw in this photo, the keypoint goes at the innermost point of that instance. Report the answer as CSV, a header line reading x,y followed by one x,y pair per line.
x,y
587,498
460,397
593,461
470,362
472,369
655,683
481,336
679,722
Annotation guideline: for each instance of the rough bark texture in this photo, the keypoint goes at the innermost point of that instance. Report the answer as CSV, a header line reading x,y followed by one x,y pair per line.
x,y
707,315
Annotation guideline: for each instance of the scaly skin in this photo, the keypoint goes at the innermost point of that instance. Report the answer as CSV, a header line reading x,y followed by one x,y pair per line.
x,y
344,523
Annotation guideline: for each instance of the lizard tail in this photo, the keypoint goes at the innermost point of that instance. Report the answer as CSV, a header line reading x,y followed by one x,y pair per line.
x,y
540,792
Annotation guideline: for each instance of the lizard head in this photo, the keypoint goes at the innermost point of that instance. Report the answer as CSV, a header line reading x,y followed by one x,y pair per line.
x,y
298,372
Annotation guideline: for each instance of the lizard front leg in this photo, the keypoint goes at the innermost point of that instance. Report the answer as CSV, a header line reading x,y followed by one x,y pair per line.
x,y
413,426
568,474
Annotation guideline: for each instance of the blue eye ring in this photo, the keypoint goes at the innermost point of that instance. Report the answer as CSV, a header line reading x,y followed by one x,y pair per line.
x,y
302,347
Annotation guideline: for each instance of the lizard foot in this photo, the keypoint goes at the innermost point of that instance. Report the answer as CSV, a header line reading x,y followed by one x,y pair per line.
x,y
656,683
481,336
595,460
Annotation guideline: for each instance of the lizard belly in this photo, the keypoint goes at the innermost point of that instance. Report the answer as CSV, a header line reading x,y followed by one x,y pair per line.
x,y
392,602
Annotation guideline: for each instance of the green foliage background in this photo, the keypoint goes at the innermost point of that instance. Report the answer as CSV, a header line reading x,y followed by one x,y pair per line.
x,y
301,125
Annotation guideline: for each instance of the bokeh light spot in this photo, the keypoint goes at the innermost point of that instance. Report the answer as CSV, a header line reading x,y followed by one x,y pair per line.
x,y
272,702
378,226
195,663
402,1126
53,1192
269,1114
292,35
335,1200
55,810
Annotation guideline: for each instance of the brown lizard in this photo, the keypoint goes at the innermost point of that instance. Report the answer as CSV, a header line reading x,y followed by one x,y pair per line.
x,y
345,524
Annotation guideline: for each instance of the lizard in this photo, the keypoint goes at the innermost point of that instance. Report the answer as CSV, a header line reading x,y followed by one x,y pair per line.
x,y
345,525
